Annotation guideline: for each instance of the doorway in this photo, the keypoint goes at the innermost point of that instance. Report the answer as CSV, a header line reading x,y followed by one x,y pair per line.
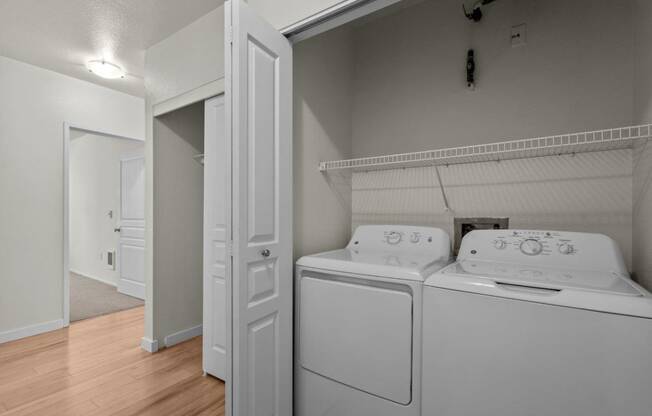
x,y
104,197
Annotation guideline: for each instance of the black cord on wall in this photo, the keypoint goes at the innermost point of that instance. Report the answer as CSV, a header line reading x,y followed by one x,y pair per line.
x,y
476,11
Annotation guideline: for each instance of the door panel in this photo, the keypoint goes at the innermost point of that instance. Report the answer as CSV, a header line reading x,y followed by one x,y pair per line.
x,y
261,141
358,334
131,248
259,102
215,238
515,358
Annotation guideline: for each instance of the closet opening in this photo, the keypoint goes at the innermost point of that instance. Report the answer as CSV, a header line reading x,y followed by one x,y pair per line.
x,y
189,231
387,131
426,116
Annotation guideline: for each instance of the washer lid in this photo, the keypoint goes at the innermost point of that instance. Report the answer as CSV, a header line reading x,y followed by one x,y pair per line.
x,y
388,264
547,278
609,292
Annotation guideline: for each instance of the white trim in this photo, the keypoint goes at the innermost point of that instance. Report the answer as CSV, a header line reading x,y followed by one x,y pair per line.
x,y
183,335
132,288
228,124
149,345
66,208
28,331
99,132
138,154
66,224
185,99
99,279
332,17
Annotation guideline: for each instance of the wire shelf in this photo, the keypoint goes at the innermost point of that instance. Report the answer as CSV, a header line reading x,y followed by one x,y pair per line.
x,y
590,141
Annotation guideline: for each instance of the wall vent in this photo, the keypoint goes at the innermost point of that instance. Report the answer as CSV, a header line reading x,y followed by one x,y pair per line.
x,y
110,259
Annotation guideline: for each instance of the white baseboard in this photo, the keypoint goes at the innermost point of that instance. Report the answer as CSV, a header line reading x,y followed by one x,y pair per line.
x,y
131,288
181,336
28,331
99,279
149,345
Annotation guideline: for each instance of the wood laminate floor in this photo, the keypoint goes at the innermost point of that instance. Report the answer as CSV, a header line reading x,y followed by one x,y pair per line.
x,y
96,367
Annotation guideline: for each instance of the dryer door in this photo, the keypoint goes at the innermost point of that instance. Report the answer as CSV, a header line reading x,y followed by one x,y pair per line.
x,y
358,333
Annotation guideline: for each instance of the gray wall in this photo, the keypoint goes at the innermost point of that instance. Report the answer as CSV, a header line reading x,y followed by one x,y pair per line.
x,y
575,73
642,238
323,82
34,104
188,59
410,94
178,220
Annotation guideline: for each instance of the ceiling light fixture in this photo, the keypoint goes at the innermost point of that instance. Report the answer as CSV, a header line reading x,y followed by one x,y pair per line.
x,y
104,69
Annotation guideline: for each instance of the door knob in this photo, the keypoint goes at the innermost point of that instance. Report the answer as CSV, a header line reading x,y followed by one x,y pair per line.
x,y
265,252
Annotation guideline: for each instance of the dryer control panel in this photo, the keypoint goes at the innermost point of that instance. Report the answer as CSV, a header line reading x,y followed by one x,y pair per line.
x,y
564,249
400,238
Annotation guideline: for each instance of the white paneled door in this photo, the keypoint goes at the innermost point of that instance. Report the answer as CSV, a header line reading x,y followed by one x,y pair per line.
x,y
259,125
215,237
131,249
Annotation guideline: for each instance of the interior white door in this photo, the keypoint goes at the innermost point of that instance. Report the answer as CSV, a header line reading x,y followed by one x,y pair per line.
x,y
131,250
259,125
216,200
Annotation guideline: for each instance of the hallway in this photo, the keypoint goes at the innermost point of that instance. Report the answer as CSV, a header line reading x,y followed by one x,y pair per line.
x,y
96,367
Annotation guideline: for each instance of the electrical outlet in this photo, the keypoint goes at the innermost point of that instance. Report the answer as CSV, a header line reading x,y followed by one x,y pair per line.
x,y
519,35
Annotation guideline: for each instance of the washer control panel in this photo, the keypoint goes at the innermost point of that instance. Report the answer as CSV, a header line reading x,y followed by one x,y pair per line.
x,y
546,248
535,243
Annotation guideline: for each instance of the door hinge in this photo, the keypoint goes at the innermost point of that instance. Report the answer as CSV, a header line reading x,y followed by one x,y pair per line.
x,y
229,34
229,248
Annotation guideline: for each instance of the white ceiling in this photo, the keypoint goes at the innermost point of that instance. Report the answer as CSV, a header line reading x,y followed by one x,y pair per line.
x,y
62,35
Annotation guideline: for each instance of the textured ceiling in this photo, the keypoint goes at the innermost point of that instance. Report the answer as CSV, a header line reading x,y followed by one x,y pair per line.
x,y
62,35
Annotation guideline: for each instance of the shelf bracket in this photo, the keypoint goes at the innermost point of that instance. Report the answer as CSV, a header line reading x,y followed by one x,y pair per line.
x,y
643,153
447,208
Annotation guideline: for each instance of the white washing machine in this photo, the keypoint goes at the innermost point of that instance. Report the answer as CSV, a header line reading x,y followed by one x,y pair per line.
x,y
358,322
536,323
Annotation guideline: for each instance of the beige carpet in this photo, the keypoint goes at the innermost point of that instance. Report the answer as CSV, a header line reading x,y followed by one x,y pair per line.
x,y
89,298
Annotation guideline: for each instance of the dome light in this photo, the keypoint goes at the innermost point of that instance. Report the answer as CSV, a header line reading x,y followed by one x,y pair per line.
x,y
104,69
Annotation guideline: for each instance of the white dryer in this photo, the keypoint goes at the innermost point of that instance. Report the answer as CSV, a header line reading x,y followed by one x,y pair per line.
x,y
536,323
358,322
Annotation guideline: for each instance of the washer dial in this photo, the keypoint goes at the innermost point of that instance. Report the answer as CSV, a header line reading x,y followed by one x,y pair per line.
x,y
531,247
566,248
500,244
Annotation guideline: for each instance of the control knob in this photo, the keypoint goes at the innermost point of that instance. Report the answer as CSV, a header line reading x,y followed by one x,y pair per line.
x,y
531,247
566,248
500,244
393,237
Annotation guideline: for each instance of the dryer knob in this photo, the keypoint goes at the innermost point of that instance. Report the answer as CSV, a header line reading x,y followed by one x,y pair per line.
x,y
393,237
